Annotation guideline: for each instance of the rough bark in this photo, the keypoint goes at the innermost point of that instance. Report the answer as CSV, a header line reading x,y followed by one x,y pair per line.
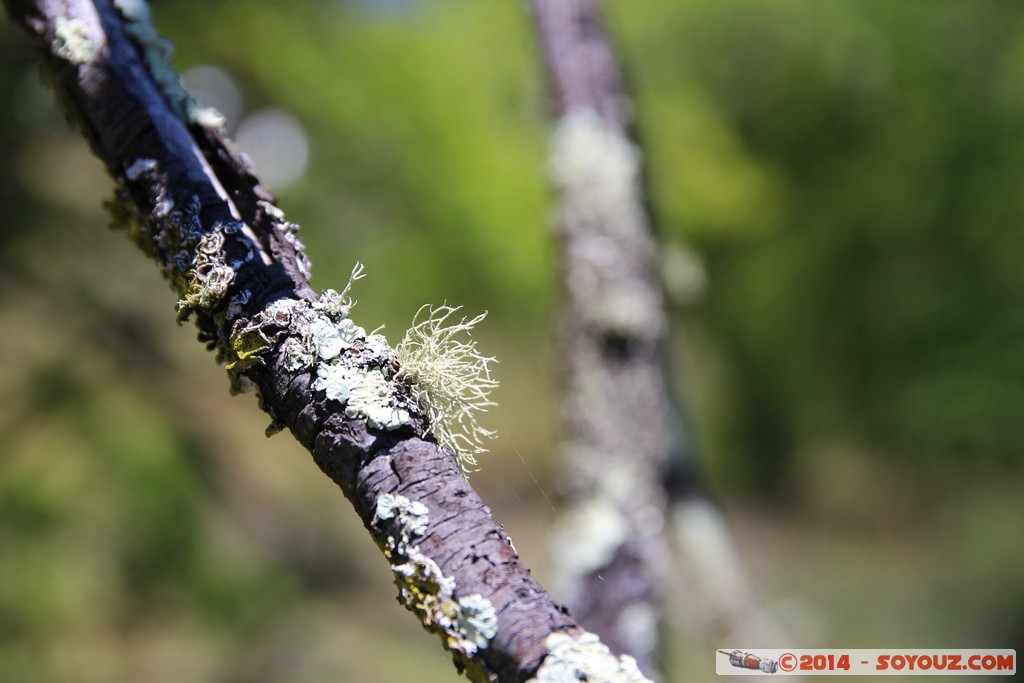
x,y
200,212
609,547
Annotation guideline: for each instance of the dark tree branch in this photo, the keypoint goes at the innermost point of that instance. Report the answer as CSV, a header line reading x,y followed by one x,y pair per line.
x,y
241,273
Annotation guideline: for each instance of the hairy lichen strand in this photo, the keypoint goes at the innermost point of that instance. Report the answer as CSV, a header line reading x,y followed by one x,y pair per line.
x,y
450,380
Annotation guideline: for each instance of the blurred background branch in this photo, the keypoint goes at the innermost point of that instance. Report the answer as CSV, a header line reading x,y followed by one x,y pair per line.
x,y
608,547
630,480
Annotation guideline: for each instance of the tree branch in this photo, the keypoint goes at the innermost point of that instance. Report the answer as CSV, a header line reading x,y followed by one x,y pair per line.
x,y
197,208
629,471
618,409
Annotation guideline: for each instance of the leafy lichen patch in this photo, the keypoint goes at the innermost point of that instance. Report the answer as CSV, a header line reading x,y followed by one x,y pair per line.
x,y
467,624
571,660
71,42
365,393
412,517
478,621
350,367
208,279
371,397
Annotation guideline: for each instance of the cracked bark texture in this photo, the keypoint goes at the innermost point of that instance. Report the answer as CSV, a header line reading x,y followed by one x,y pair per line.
x,y
109,91
609,547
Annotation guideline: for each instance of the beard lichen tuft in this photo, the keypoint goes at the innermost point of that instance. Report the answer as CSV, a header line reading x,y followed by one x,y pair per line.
x,y
449,379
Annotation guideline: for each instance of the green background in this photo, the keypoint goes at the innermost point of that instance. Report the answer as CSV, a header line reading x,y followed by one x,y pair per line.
x,y
839,189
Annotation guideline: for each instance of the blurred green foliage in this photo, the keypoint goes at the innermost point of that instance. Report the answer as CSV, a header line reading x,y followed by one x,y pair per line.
x,y
843,177
865,270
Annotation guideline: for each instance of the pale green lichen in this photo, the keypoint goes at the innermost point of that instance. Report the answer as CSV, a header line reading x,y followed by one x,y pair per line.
x,y
377,346
412,517
371,397
296,354
351,367
478,621
450,380
330,338
339,304
71,42
307,331
335,381
586,658
365,393
156,53
466,625
210,276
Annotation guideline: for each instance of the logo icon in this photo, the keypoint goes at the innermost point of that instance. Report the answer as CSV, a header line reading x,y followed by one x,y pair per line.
x,y
745,660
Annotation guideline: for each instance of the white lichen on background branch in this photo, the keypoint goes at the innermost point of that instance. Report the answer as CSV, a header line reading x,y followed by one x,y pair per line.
x,y
603,223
